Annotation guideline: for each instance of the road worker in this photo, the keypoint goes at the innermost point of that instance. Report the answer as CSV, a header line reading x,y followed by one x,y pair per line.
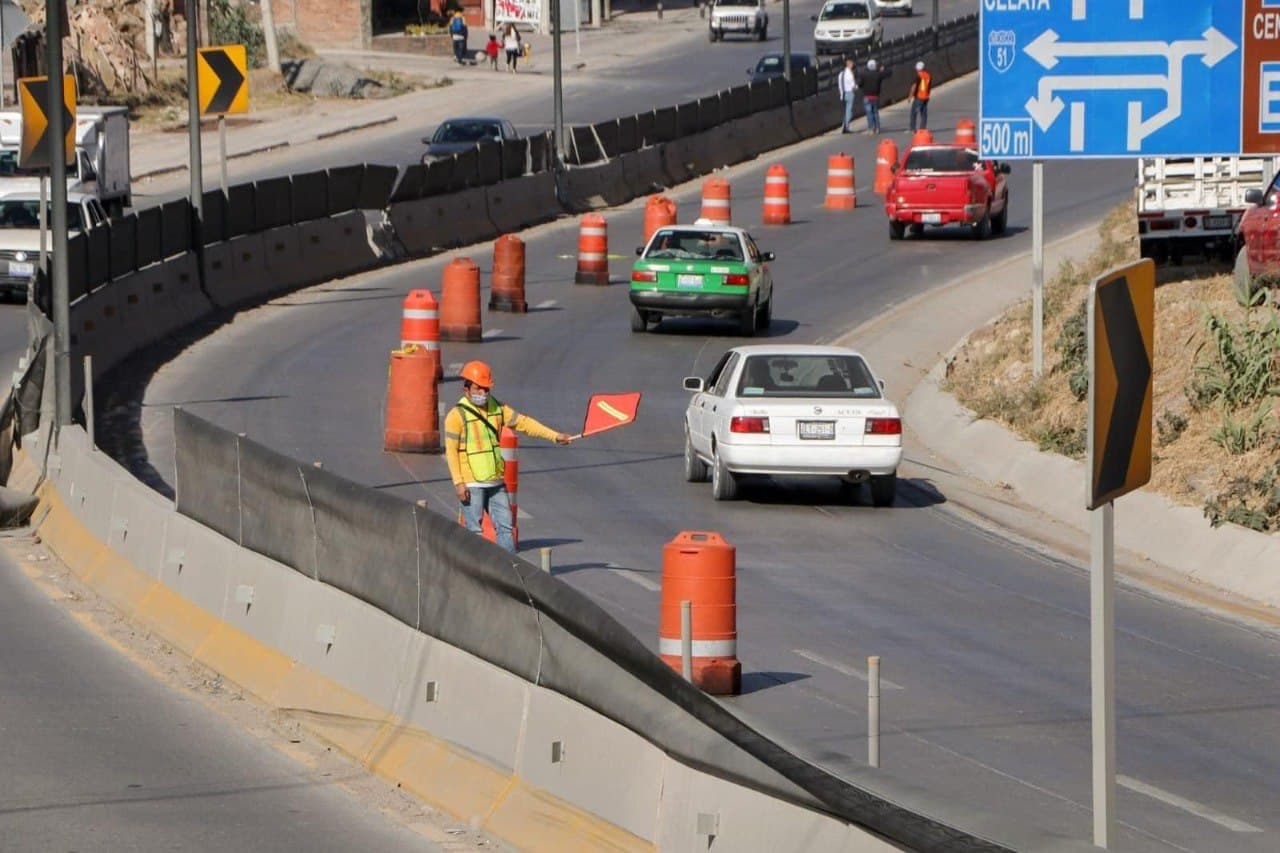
x,y
471,432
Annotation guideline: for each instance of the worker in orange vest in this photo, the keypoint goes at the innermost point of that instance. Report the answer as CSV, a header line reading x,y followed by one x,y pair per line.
x,y
921,89
471,433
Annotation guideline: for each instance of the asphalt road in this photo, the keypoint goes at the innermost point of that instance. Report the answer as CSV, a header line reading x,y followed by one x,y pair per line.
x,y
99,755
985,640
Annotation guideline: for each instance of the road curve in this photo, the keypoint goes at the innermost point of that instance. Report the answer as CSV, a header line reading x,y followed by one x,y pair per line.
x,y
987,640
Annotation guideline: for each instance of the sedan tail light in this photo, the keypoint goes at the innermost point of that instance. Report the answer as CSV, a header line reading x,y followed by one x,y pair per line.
x,y
884,426
752,425
644,275
738,280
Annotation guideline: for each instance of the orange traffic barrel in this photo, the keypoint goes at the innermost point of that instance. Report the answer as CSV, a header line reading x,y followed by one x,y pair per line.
x,y
841,194
700,568
966,134
777,196
922,137
460,301
593,251
413,422
659,212
716,201
507,292
886,157
420,325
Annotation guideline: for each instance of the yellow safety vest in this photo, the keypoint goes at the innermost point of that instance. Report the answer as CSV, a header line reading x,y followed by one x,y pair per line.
x,y
479,440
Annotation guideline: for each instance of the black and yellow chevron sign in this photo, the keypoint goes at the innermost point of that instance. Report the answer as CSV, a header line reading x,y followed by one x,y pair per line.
x,y
222,77
1122,351
33,94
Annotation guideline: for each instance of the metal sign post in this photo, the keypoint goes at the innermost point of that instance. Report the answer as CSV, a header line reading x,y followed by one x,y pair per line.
x,y
557,90
1037,269
196,191
222,150
786,42
56,113
1121,327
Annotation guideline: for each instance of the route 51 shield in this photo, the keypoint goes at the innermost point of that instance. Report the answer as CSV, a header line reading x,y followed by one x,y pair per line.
x,y
1002,49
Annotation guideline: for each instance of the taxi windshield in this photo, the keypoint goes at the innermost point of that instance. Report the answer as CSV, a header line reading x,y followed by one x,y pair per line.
x,y
844,10
692,245
788,375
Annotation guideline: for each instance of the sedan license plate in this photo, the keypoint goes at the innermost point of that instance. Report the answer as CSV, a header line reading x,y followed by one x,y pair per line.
x,y
817,430
1217,222
688,280
931,218
18,268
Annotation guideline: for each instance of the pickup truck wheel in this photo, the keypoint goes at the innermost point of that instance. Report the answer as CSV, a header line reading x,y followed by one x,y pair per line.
x,y
915,229
982,229
639,320
695,470
1001,222
883,489
897,230
724,486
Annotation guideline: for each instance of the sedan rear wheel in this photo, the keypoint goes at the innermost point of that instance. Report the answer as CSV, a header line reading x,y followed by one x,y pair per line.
x,y
883,489
639,320
747,322
724,486
695,470
765,315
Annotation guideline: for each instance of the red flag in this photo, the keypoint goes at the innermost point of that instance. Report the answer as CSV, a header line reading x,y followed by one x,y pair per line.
x,y
610,411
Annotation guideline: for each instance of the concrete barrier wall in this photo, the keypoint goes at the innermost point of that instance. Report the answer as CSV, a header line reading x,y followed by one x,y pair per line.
x,y
529,765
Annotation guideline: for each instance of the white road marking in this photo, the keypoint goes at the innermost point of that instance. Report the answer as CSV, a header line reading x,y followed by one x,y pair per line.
x,y
637,578
544,304
491,333
841,668
1191,806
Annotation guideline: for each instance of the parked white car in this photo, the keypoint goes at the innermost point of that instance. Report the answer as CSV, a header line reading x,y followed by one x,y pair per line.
x,y
843,25
792,411
745,17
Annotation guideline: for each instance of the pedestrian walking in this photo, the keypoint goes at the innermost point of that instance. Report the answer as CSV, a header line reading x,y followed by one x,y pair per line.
x,y
847,85
511,44
873,77
471,445
491,51
921,89
458,32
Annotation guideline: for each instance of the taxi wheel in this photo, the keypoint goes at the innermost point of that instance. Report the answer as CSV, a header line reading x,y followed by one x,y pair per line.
x,y
639,320
764,316
724,486
747,322
695,470
897,230
883,489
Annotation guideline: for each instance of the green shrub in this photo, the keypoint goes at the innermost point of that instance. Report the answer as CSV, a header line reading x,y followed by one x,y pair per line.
x,y
1069,441
231,25
1249,503
1241,436
1073,351
1243,367
1169,427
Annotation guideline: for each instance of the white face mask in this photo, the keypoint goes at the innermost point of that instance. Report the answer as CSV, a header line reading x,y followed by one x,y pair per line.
x,y
478,397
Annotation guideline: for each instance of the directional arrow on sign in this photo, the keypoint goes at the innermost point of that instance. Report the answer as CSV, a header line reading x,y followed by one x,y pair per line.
x,y
222,80
1121,322
34,95
1212,48
1045,107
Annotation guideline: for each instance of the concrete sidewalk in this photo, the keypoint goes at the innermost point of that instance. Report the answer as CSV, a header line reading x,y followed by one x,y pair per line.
x,y
998,480
470,89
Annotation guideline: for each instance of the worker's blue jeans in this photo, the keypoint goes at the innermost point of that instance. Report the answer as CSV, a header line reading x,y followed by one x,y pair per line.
x,y
495,500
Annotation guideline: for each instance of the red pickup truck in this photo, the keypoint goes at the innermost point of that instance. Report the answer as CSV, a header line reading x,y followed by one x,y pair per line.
x,y
1259,234
947,185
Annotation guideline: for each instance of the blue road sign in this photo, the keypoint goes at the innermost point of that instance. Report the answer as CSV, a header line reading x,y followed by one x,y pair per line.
x,y
1116,78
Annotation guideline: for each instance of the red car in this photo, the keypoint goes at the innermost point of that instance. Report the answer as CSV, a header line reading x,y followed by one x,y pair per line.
x,y
1260,231
947,185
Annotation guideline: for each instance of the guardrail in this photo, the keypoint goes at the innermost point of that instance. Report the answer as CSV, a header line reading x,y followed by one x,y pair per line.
x,y
144,277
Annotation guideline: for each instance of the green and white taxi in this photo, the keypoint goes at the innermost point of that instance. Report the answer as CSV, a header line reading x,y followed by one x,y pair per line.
x,y
702,270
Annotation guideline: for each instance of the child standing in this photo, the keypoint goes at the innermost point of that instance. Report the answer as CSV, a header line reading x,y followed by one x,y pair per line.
x,y
491,51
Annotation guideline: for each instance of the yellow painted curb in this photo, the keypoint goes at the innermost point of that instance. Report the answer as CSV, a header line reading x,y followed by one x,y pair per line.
x,y
446,776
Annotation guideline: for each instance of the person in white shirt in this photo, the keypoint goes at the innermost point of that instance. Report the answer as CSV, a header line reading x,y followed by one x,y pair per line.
x,y
512,45
847,86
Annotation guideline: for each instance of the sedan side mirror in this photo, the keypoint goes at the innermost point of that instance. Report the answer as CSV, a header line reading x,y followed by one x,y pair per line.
x,y
767,256
1253,197
813,17
426,140
749,71
693,383
880,382
1004,169
639,250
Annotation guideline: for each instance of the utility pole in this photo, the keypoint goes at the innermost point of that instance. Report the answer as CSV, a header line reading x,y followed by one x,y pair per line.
x,y
786,43
193,118
557,95
269,35
57,134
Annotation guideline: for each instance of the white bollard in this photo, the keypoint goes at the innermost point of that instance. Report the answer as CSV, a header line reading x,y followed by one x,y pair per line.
x,y
545,555
88,399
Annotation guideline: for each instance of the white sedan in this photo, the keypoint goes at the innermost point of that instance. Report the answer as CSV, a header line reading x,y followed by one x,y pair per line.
x,y
792,411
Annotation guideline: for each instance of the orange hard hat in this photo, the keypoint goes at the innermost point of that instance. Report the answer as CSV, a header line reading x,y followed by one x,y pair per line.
x,y
477,373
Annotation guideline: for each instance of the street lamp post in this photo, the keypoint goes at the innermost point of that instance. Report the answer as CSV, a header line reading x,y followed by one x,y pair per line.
x,y
557,96
786,43
60,294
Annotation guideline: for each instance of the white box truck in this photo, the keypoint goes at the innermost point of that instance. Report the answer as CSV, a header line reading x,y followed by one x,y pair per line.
x,y
101,164
1192,205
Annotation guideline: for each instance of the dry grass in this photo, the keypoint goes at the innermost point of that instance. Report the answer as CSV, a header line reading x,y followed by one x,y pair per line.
x,y
991,374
